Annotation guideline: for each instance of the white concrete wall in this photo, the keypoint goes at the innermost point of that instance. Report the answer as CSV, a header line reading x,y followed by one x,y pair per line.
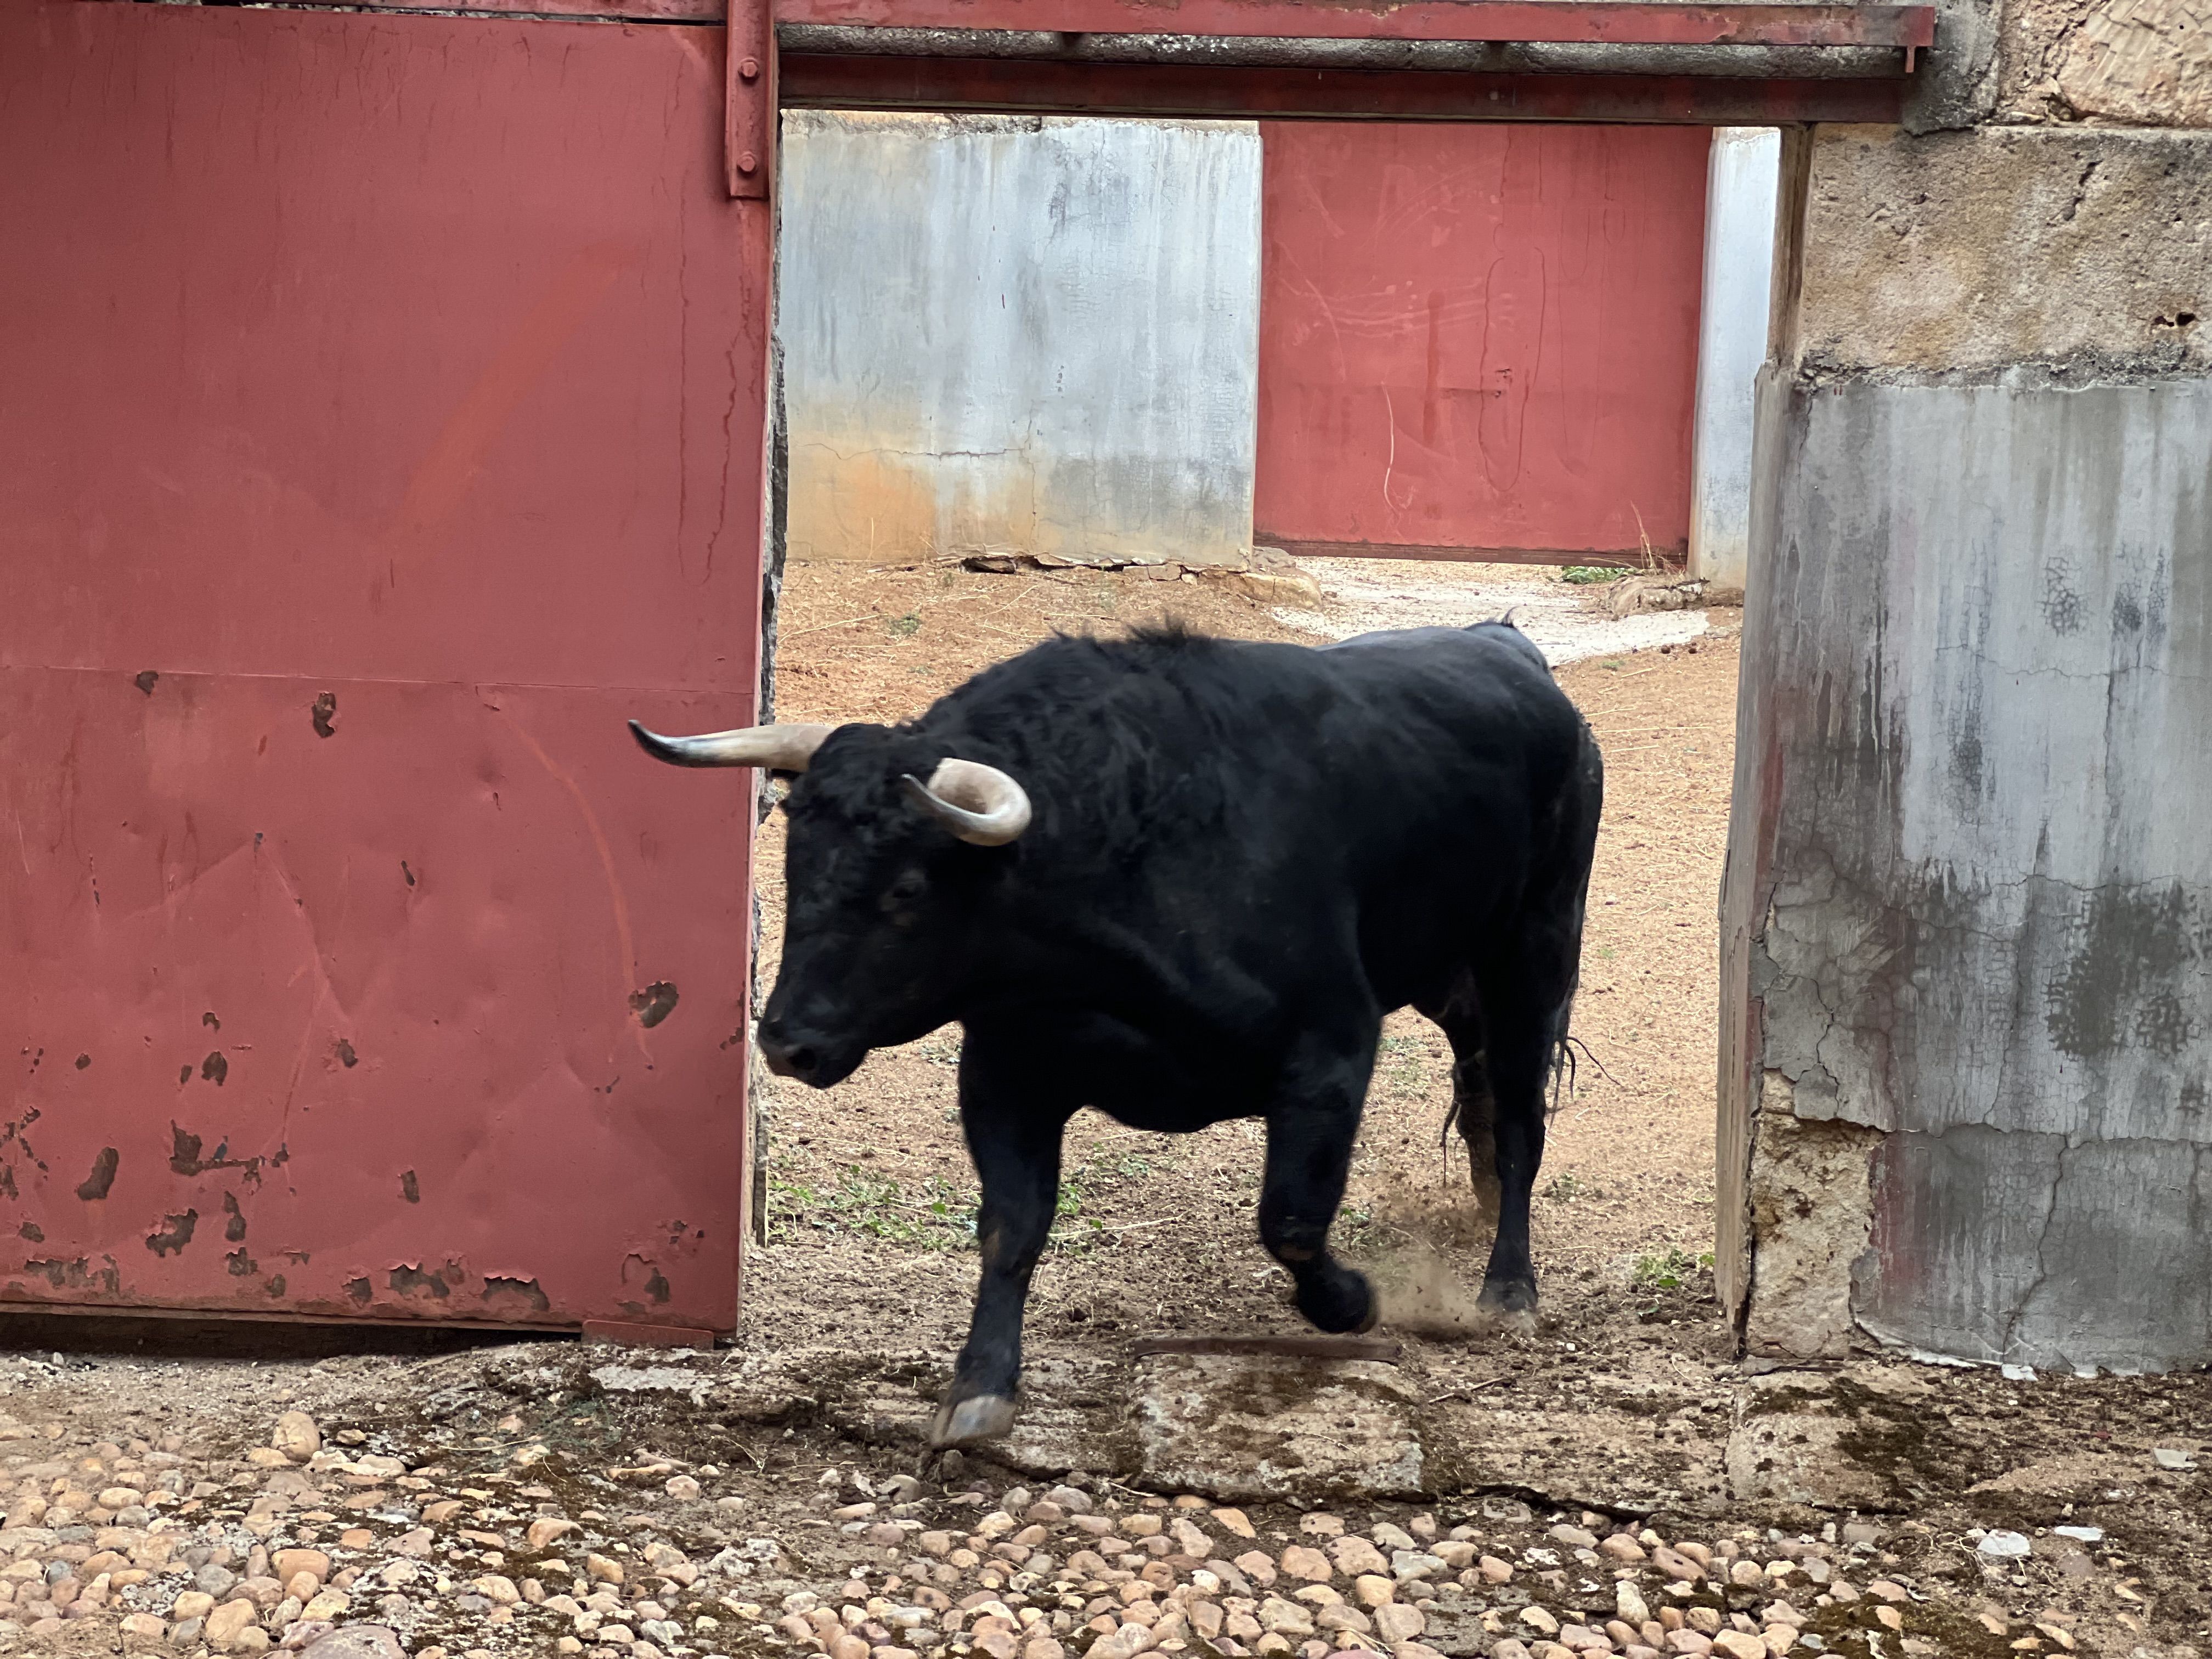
x,y
1013,334
1740,193
1974,908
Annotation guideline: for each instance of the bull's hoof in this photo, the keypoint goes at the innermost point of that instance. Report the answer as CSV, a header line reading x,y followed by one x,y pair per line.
x,y
1509,1305
979,1417
1338,1300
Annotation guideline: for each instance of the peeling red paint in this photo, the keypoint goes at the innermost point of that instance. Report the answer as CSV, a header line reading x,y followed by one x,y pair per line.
x,y
654,1004
95,1186
174,1233
377,807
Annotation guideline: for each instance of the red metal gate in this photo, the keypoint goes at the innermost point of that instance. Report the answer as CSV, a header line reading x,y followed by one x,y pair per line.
x,y
1479,341
383,423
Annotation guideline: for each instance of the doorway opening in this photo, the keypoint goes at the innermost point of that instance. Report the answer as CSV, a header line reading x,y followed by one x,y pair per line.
x,y
1283,380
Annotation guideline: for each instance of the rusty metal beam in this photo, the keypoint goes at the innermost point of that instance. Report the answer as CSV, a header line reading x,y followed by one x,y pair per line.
x,y
1611,21
1028,86
605,11
1616,22
748,93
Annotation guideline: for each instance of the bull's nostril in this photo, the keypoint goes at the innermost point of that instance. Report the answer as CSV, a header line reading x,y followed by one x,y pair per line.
x,y
790,1059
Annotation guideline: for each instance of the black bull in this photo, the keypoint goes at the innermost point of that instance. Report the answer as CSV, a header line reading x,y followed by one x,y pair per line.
x,y
1182,879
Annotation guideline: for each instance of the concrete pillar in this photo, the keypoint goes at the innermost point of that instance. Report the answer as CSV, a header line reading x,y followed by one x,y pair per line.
x,y
1967,926
1732,328
1020,335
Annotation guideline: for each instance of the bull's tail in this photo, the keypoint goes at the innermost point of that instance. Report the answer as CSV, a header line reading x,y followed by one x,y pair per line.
x,y
1582,803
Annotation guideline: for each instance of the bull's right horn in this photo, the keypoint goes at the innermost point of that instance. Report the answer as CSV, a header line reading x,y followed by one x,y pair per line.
x,y
981,804
772,748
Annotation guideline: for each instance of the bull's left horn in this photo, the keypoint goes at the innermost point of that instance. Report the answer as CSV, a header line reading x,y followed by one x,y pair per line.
x,y
773,748
980,803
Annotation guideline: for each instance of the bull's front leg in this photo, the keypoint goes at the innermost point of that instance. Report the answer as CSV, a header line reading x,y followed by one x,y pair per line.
x,y
1309,1140
1015,1143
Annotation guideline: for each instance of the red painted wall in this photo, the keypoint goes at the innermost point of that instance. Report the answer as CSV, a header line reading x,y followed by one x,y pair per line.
x,y
409,367
1479,338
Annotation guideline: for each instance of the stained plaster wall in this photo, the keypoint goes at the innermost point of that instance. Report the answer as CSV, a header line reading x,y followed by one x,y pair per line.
x,y
1967,919
1019,334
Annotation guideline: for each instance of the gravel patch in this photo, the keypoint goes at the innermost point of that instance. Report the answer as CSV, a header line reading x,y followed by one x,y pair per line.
x,y
1367,594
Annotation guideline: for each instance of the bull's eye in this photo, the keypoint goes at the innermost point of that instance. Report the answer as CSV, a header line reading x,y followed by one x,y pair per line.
x,y
910,885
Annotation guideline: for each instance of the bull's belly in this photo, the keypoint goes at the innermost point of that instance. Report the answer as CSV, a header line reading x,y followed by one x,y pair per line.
x,y
1138,1080
1180,1112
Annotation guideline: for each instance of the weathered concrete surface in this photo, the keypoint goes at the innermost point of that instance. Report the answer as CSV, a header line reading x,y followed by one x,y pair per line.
x,y
1969,893
1247,1428
1810,1190
1832,1440
2148,61
1738,266
1627,1450
2145,63
1020,335
1956,84
1976,250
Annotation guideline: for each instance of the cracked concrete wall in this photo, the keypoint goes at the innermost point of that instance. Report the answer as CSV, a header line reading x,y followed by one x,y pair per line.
x,y
1966,925
1812,1207
1971,904
2143,62
1020,335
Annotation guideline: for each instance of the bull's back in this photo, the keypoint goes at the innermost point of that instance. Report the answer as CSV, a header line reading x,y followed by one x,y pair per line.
x,y
1467,797
1280,809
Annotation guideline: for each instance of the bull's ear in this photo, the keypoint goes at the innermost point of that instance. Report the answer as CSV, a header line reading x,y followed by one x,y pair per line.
x,y
773,748
981,804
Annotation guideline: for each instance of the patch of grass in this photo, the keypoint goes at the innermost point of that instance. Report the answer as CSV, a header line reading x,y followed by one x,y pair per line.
x,y
905,627
934,1216
1075,1230
1563,1189
1672,1269
1402,1064
1359,1229
1584,575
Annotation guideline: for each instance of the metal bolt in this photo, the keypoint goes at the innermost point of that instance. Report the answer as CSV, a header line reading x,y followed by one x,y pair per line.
x,y
748,68
747,160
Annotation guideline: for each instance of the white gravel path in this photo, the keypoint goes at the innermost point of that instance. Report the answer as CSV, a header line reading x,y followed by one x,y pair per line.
x,y
1375,593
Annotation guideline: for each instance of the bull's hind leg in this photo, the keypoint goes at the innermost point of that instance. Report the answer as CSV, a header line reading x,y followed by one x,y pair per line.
x,y
1517,1061
1015,1143
1526,989
1527,996
1475,1104
1309,1141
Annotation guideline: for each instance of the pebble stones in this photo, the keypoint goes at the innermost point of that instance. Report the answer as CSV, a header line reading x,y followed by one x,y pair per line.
x,y
361,1551
357,1642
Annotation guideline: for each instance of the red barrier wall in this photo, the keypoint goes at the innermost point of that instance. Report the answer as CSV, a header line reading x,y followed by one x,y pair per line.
x,y
1479,340
383,423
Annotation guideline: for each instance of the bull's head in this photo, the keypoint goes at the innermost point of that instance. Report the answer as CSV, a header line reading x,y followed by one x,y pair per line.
x,y
881,903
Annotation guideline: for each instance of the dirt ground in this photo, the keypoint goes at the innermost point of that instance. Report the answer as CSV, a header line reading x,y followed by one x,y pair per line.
x,y
1615,1483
